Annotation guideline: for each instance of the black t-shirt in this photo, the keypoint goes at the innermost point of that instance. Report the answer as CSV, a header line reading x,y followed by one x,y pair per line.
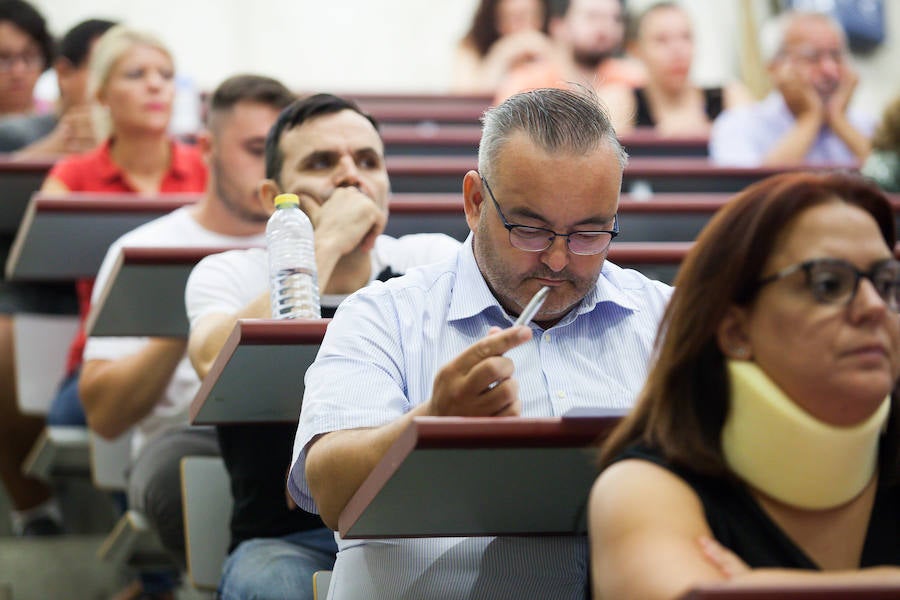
x,y
712,106
740,524
257,457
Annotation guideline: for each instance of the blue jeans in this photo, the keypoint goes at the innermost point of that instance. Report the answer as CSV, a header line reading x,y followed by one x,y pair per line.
x,y
277,568
66,409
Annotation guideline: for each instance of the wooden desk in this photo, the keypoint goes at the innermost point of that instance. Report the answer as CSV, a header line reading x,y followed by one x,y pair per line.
x,y
144,295
644,175
64,237
52,245
480,476
258,375
884,591
656,260
18,180
434,139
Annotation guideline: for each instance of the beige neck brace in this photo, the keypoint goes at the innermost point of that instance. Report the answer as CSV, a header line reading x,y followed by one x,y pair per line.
x,y
786,453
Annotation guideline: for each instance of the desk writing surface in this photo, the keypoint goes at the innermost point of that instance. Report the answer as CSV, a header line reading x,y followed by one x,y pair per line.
x,y
860,591
456,476
65,237
144,294
258,375
18,181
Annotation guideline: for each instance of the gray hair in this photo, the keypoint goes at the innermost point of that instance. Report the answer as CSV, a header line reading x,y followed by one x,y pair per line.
x,y
771,36
571,121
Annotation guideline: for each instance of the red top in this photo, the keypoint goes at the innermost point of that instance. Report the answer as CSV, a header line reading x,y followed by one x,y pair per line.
x,y
95,171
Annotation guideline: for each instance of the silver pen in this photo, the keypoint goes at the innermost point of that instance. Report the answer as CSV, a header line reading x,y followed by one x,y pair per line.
x,y
533,306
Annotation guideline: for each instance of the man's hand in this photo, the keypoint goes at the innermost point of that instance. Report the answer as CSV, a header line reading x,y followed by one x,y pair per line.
x,y
836,108
478,382
799,95
345,221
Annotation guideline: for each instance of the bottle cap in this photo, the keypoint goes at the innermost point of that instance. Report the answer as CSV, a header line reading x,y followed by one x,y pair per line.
x,y
286,199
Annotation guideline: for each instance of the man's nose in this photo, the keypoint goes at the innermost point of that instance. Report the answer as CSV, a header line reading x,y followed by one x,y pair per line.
x,y
557,255
347,173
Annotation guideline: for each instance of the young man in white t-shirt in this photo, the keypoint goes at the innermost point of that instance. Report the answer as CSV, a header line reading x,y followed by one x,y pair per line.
x,y
328,152
148,383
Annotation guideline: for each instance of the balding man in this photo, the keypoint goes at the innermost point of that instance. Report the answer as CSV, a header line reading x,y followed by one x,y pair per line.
x,y
805,120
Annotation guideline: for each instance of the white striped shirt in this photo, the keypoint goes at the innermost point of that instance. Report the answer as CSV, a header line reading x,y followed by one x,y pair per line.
x,y
378,360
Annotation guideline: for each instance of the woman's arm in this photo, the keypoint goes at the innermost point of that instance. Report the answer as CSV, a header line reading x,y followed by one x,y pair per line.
x,y
644,523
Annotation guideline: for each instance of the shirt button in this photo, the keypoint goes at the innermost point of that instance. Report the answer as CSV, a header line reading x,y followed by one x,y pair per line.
x,y
546,337
560,394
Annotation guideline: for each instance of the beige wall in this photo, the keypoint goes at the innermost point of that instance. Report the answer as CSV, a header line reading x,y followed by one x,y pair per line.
x,y
378,45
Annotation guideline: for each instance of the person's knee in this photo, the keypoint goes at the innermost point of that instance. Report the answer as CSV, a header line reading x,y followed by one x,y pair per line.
x,y
66,409
269,569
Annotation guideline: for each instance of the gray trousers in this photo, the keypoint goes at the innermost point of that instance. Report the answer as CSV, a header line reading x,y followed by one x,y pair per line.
x,y
154,483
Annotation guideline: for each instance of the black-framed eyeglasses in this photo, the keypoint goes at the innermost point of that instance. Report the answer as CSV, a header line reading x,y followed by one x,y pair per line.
x,y
31,60
538,239
836,281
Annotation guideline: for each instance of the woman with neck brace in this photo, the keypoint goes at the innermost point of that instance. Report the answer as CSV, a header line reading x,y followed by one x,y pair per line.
x,y
764,445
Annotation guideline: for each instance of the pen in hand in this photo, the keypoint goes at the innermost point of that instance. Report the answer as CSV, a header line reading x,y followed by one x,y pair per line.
x,y
533,306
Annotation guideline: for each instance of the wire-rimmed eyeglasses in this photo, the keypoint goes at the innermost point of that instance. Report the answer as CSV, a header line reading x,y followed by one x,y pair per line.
x,y
538,239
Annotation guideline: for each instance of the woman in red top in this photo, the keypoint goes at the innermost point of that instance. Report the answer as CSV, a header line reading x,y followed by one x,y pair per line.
x,y
131,79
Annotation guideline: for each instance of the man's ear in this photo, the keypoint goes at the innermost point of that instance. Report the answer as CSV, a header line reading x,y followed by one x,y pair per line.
x,y
473,198
733,336
267,190
203,141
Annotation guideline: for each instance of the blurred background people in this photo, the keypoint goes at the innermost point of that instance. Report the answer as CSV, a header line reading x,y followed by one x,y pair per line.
x,y
68,129
26,50
668,101
883,164
131,85
504,35
588,38
764,445
805,119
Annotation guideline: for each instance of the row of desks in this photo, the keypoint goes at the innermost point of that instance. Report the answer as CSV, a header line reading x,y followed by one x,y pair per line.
x,y
444,175
51,243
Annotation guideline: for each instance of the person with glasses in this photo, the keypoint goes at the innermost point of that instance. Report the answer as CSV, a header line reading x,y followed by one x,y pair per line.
x,y
440,341
26,50
764,446
806,119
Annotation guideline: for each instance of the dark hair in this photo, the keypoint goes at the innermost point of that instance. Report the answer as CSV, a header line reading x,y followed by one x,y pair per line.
x,y
683,405
484,33
295,115
75,45
28,19
559,8
635,24
887,136
247,88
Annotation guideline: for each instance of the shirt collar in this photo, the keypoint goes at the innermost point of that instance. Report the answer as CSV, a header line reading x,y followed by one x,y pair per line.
x,y
472,296
110,171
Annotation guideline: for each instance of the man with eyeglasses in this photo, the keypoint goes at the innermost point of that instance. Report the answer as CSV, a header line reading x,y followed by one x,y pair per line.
x,y
439,341
806,118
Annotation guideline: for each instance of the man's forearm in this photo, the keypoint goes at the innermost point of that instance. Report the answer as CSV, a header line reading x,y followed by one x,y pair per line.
x,y
117,394
339,462
212,331
855,141
793,146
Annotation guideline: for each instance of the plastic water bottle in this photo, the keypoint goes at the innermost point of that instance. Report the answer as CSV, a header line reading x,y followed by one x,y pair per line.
x,y
293,282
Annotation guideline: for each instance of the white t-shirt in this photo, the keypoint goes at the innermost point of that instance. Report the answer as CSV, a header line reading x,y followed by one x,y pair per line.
x,y
176,229
225,283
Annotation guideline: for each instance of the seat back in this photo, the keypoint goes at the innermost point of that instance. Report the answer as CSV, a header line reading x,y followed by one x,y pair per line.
x,y
42,345
110,460
207,502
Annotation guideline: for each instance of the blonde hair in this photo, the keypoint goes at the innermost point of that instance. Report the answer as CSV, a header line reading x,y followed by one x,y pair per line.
x,y
109,48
